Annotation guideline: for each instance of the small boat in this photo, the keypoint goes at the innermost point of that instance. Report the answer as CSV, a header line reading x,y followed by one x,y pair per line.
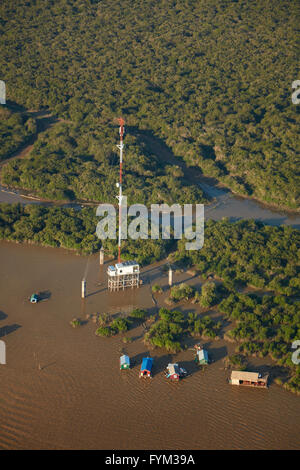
x,y
183,372
34,299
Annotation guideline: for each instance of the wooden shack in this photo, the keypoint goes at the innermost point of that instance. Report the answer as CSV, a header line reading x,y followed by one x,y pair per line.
x,y
202,356
172,372
146,367
249,379
124,362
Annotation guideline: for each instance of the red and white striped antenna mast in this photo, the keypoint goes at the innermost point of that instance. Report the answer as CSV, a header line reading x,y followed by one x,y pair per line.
x,y
120,196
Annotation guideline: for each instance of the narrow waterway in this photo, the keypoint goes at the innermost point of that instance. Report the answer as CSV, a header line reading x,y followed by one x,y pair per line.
x,y
224,202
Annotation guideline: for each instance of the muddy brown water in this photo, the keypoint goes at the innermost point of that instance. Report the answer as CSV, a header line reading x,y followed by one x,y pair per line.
x,y
62,388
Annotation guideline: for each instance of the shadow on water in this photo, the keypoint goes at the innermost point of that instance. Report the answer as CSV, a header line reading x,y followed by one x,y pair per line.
x,y
148,279
2,315
155,268
177,283
217,354
96,292
137,359
160,363
137,337
8,329
48,365
191,367
45,295
274,373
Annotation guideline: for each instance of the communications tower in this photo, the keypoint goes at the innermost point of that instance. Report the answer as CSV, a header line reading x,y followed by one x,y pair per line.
x,y
126,274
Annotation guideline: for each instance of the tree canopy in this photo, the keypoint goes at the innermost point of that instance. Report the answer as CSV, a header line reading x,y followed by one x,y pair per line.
x,y
212,78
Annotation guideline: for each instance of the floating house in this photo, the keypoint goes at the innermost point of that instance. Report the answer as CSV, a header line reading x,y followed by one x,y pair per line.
x,y
202,356
249,379
174,372
146,367
34,298
124,362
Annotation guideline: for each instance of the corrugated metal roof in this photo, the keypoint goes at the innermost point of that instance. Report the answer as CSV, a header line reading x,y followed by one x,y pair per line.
x,y
173,369
126,263
202,355
246,376
124,359
147,363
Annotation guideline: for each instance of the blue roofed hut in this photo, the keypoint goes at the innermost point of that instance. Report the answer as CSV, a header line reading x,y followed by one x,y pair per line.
x,y
146,367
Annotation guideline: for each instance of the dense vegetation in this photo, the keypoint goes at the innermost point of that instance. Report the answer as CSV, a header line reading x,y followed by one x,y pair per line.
x,y
203,326
15,130
72,162
166,332
210,294
264,326
157,289
49,226
244,253
241,253
212,78
181,292
71,229
173,326
109,326
247,253
236,361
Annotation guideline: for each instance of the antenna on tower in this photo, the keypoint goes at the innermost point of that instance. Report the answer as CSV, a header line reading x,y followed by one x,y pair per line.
x,y
127,274
120,196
